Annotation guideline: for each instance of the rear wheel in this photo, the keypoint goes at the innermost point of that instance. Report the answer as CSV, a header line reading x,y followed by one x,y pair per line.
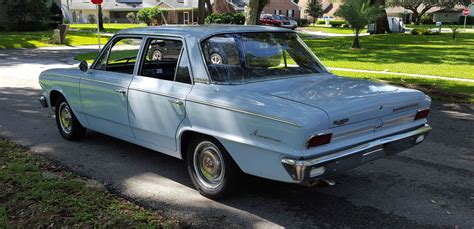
x,y
212,170
68,125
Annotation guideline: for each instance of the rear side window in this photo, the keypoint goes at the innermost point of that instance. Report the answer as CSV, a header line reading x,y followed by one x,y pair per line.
x,y
161,60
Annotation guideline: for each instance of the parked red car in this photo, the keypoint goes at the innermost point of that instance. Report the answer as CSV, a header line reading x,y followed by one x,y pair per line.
x,y
268,19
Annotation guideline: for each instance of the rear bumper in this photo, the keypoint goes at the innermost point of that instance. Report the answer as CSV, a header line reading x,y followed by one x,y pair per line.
x,y
302,170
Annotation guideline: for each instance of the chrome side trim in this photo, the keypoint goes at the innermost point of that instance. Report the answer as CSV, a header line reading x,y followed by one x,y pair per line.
x,y
154,93
245,112
298,168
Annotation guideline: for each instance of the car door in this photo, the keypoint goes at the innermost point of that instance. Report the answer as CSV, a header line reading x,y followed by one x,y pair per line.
x,y
157,94
104,87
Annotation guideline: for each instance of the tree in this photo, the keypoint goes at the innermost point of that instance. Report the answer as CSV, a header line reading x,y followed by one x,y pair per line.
x,y
28,10
358,13
204,10
420,7
315,9
149,14
100,17
381,22
254,9
56,16
252,12
261,5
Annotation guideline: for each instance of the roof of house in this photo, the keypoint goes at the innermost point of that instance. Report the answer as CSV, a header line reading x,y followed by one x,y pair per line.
x,y
201,31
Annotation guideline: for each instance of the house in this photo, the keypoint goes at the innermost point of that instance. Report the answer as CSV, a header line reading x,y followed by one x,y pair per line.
x,y
279,7
448,15
283,7
115,11
329,8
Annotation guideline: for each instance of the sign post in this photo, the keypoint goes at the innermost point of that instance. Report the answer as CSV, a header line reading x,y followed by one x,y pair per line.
x,y
465,12
97,3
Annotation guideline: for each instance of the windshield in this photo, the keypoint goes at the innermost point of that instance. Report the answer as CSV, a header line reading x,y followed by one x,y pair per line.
x,y
246,57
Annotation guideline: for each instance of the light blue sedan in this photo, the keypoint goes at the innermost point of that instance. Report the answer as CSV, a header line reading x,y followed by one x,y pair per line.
x,y
233,99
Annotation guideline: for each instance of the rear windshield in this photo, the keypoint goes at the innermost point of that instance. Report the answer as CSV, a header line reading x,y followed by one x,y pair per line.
x,y
247,57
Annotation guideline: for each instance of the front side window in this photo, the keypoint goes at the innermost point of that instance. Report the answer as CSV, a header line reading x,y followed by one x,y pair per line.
x,y
120,57
247,57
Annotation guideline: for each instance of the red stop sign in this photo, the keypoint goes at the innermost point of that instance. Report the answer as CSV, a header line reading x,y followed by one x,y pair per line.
x,y
96,2
465,12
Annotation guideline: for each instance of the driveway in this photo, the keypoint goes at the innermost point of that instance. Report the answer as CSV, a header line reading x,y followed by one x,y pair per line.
x,y
429,185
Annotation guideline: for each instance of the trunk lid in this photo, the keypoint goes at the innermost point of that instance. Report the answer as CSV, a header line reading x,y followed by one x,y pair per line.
x,y
345,100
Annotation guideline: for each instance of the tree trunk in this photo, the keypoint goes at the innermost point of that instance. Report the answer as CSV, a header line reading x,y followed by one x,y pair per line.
x,y
209,7
201,12
416,18
99,17
381,22
252,11
356,42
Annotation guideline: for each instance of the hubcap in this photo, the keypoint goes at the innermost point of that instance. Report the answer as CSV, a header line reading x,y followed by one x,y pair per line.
x,y
65,117
208,164
216,58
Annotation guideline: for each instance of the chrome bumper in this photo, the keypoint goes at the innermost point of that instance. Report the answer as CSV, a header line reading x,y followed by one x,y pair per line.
x,y
302,170
43,101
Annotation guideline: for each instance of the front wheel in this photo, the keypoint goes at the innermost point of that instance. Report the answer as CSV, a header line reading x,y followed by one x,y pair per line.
x,y
68,125
212,170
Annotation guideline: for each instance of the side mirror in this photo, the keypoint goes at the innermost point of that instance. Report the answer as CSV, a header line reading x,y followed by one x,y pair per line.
x,y
83,66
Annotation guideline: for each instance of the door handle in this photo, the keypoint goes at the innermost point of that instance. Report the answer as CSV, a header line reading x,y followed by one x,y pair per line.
x,y
121,91
176,101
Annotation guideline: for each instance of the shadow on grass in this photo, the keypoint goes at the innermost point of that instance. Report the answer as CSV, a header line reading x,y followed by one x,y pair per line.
x,y
398,48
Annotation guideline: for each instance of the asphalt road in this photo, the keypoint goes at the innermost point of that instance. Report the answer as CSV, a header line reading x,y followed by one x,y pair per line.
x,y
429,185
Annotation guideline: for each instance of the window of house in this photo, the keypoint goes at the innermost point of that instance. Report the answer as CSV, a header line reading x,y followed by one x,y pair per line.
x,y
290,13
120,57
277,12
161,61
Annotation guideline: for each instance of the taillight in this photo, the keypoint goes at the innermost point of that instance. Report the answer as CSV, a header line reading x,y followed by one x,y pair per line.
x,y
422,114
317,140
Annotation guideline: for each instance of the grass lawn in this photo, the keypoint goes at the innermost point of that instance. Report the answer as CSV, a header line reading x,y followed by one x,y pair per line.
x,y
446,90
437,55
109,27
326,29
35,193
42,38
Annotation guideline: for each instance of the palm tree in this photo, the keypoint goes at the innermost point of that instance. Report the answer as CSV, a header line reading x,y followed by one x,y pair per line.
x,y
358,13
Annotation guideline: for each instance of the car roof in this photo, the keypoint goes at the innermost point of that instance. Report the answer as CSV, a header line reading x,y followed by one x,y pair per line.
x,y
201,31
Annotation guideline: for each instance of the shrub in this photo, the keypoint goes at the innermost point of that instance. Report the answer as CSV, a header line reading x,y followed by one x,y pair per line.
x,y
66,21
427,19
91,18
131,17
320,22
337,23
105,19
149,14
302,22
226,18
423,31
